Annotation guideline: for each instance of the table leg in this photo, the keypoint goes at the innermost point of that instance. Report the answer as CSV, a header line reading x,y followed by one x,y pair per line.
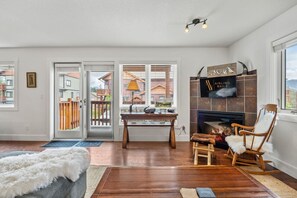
x,y
125,135
172,135
128,139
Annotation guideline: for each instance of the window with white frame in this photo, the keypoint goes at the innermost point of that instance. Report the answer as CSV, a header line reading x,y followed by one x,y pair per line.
x,y
286,59
156,84
9,82
9,94
7,85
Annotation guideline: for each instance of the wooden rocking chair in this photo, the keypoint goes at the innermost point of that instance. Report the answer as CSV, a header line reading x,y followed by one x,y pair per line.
x,y
252,141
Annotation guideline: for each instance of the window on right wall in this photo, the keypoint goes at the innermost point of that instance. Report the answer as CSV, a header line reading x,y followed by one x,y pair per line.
x,y
286,57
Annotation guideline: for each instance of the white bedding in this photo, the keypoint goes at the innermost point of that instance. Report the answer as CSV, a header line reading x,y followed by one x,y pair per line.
x,y
26,173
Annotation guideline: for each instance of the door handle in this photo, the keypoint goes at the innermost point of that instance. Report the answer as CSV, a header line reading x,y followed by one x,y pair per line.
x,y
80,103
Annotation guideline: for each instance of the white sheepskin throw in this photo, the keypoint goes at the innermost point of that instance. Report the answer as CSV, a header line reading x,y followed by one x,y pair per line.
x,y
264,123
236,144
29,172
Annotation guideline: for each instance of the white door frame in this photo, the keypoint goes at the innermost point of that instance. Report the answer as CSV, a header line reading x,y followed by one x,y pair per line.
x,y
81,65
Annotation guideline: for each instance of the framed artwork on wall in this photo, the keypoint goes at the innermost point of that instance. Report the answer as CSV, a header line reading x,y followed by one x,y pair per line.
x,y
31,79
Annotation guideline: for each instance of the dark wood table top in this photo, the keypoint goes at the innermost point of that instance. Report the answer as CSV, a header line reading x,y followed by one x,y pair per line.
x,y
166,182
142,116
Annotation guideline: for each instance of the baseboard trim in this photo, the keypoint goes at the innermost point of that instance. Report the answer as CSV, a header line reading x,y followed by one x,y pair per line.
x,y
282,165
23,137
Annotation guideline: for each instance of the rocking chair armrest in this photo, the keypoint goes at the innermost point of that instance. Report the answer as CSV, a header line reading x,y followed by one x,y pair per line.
x,y
242,126
236,126
244,132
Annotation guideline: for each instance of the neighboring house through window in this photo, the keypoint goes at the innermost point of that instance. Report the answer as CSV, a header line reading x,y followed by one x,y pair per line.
x,y
69,85
7,85
156,82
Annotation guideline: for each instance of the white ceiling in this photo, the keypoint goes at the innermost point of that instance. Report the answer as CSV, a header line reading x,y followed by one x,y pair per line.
x,y
132,23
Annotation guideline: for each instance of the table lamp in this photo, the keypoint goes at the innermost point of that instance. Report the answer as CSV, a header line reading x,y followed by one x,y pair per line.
x,y
132,86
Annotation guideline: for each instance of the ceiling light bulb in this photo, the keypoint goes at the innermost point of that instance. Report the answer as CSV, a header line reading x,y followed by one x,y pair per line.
x,y
187,28
204,25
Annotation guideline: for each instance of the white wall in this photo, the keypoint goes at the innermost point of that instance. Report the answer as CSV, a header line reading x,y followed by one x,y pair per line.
x,y
255,50
31,120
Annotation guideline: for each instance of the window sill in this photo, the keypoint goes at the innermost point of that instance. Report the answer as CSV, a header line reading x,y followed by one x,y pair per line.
x,y
287,117
9,108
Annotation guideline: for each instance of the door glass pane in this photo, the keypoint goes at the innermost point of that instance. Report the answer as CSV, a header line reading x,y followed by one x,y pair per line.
x,y
100,91
100,104
68,99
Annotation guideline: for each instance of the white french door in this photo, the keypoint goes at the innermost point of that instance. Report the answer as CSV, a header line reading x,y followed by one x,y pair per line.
x,y
68,101
83,100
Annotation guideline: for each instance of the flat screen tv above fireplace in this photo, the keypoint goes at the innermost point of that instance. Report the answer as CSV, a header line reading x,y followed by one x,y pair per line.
x,y
219,87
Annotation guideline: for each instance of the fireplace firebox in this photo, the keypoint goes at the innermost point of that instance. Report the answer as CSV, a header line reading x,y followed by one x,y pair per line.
x,y
218,123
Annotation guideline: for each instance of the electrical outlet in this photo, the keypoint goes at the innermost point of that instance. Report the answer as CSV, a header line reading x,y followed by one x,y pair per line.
x,y
182,129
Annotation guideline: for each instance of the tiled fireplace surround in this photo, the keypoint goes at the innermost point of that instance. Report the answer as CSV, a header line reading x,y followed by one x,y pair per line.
x,y
245,102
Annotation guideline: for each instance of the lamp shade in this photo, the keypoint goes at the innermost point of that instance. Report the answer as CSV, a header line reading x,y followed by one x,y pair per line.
x,y
133,86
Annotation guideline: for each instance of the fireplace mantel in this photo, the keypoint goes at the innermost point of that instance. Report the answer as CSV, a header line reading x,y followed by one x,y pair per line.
x,y
246,101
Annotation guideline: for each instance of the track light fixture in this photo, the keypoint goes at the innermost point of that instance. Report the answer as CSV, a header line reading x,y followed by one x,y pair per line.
x,y
195,22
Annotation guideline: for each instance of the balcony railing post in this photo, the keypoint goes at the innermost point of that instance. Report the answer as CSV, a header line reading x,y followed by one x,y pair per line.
x,y
100,113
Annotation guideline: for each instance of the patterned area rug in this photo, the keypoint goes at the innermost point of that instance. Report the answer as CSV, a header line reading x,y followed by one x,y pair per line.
x,y
275,185
88,144
54,144
94,174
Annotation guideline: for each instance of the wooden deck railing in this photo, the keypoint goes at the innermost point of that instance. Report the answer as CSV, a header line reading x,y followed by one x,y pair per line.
x,y
100,113
69,114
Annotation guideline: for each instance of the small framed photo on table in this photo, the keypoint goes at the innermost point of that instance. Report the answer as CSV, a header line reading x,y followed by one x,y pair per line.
x,y
31,79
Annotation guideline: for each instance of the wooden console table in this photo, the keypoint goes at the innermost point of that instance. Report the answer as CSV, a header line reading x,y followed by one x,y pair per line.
x,y
129,117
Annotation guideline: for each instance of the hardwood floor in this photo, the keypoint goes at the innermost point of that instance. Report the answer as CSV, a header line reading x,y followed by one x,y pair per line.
x,y
143,154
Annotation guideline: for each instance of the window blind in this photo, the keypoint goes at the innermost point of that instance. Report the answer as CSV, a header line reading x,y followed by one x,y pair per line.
x,y
284,42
